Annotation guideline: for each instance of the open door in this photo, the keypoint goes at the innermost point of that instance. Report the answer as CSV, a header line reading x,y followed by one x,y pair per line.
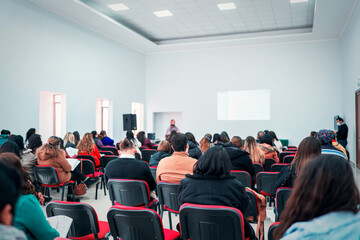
x,y
357,116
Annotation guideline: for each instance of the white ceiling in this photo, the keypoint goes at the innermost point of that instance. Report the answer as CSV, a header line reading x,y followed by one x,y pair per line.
x,y
199,24
202,18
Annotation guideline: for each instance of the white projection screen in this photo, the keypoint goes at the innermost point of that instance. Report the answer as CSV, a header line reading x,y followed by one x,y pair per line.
x,y
243,105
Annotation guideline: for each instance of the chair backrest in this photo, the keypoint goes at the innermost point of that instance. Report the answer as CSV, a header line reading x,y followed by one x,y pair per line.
x,y
266,183
106,153
268,163
88,167
147,153
288,159
209,222
85,220
282,195
271,230
133,223
243,176
153,171
89,157
129,192
137,156
104,160
46,175
111,149
283,154
252,210
278,166
168,196
258,168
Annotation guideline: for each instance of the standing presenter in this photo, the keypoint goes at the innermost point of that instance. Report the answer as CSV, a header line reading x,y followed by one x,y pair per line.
x,y
171,128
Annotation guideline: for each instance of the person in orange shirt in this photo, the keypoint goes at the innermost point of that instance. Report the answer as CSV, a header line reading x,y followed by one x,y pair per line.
x,y
87,147
173,169
267,148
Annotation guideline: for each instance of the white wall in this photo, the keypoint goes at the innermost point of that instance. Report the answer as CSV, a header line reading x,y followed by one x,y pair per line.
x,y
40,51
350,46
304,80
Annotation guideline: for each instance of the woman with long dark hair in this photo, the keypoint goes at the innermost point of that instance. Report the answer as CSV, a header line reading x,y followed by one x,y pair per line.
x,y
145,142
194,150
323,204
212,184
309,148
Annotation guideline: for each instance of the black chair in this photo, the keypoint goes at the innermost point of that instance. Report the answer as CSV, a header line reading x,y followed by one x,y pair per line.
x,y
107,153
285,153
129,192
146,154
89,157
104,160
168,198
133,223
266,184
85,222
252,209
271,230
268,163
137,156
277,167
282,195
243,176
88,170
258,168
48,177
153,172
209,222
288,159
111,149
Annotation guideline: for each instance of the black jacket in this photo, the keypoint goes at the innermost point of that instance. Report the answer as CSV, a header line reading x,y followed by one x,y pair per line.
x,y
130,168
156,157
286,177
212,190
194,150
240,160
342,132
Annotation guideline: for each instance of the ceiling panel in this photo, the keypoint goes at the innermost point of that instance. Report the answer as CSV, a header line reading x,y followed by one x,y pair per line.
x,y
203,19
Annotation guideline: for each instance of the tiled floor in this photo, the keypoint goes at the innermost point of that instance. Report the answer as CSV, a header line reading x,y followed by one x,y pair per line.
x,y
102,204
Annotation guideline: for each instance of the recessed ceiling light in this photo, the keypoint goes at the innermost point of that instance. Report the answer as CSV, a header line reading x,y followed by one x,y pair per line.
x,y
118,7
164,13
226,6
298,1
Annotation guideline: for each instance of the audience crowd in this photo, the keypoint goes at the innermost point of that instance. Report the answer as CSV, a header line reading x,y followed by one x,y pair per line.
x,y
324,202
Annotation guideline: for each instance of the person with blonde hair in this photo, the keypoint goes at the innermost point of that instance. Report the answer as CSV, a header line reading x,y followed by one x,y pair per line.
x,y
69,140
256,154
87,146
163,151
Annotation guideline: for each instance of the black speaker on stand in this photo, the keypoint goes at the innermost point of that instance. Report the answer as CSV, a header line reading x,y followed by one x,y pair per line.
x,y
129,121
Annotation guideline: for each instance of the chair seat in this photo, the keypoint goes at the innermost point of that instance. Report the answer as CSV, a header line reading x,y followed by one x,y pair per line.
x,y
170,210
61,184
96,174
171,234
104,229
151,203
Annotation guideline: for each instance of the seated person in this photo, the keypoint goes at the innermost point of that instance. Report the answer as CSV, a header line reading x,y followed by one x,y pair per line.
x,y
205,142
326,136
105,139
4,136
256,154
9,192
144,141
29,217
173,169
309,148
212,184
240,159
194,150
266,146
97,140
87,147
164,150
323,204
127,167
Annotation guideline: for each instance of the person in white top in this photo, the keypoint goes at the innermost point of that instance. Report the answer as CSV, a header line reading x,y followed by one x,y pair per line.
x,y
277,143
